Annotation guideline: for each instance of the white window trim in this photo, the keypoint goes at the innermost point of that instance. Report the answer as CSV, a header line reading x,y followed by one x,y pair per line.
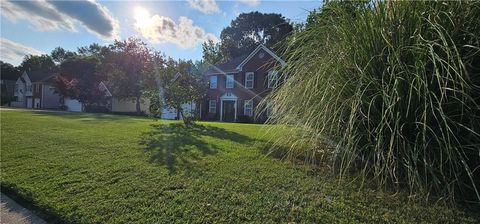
x,y
269,82
246,79
269,110
227,81
210,108
250,102
216,82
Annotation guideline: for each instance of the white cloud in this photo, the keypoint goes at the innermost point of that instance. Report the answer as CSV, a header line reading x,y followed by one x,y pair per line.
x,y
161,29
13,52
42,15
250,2
205,6
52,15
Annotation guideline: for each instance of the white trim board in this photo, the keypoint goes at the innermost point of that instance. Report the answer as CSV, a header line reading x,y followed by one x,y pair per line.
x,y
261,46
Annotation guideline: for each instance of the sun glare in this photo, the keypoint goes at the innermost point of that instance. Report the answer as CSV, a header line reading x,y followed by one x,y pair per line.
x,y
142,16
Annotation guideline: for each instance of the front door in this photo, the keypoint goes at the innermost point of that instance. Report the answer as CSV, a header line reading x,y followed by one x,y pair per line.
x,y
228,110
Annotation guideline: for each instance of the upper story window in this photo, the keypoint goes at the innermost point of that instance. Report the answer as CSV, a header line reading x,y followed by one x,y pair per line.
x,y
248,108
212,106
230,81
272,79
37,88
249,79
213,82
29,88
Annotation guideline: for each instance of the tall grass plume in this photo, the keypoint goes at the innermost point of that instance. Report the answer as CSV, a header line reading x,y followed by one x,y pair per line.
x,y
395,86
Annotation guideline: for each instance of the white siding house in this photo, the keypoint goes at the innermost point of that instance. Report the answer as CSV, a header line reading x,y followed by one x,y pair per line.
x,y
35,89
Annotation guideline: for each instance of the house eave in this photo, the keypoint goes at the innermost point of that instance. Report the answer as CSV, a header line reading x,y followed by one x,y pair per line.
x,y
261,46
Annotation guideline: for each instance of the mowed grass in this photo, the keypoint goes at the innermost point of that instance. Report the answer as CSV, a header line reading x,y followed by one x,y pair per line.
x,y
91,168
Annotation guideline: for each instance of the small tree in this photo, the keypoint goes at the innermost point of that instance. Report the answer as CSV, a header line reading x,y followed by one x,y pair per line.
x,y
186,85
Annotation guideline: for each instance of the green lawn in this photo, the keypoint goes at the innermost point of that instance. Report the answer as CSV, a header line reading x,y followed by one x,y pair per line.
x,y
89,168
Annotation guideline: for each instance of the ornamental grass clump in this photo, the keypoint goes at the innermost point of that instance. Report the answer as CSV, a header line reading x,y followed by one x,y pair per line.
x,y
395,86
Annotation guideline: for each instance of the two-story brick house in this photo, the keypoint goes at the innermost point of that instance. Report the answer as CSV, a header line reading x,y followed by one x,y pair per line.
x,y
239,85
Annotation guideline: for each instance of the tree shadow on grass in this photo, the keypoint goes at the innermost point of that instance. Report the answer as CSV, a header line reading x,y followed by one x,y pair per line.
x,y
87,117
178,146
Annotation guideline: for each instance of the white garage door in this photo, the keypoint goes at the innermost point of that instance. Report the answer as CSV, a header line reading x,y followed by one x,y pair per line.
x,y
29,102
73,105
169,113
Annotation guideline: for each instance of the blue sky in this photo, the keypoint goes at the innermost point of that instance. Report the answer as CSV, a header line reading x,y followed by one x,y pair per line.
x,y
176,28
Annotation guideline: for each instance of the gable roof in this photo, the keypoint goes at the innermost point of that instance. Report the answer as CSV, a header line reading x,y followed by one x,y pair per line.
x,y
236,64
261,46
101,86
229,66
40,76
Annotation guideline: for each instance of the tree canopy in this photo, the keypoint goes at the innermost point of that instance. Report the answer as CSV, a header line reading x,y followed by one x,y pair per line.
x,y
130,70
37,63
212,53
79,78
59,54
250,29
9,71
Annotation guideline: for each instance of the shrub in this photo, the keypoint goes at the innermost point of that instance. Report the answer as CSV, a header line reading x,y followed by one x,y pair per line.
x,y
96,109
245,119
396,87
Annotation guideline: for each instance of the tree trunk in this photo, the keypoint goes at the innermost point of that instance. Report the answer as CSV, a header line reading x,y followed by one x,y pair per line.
x,y
179,113
137,106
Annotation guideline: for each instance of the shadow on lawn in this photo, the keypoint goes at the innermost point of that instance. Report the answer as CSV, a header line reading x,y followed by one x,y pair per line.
x,y
176,145
98,117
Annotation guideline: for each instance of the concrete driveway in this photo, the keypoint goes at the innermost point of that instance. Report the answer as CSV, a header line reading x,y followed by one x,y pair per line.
x,y
13,213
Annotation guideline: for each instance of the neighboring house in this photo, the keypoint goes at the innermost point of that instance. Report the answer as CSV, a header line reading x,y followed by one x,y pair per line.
x,y
35,89
76,106
129,105
239,85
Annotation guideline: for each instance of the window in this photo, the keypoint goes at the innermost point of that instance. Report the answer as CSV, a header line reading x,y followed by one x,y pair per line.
x,y
269,111
272,79
230,81
37,88
16,88
248,108
212,106
213,82
29,88
249,77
